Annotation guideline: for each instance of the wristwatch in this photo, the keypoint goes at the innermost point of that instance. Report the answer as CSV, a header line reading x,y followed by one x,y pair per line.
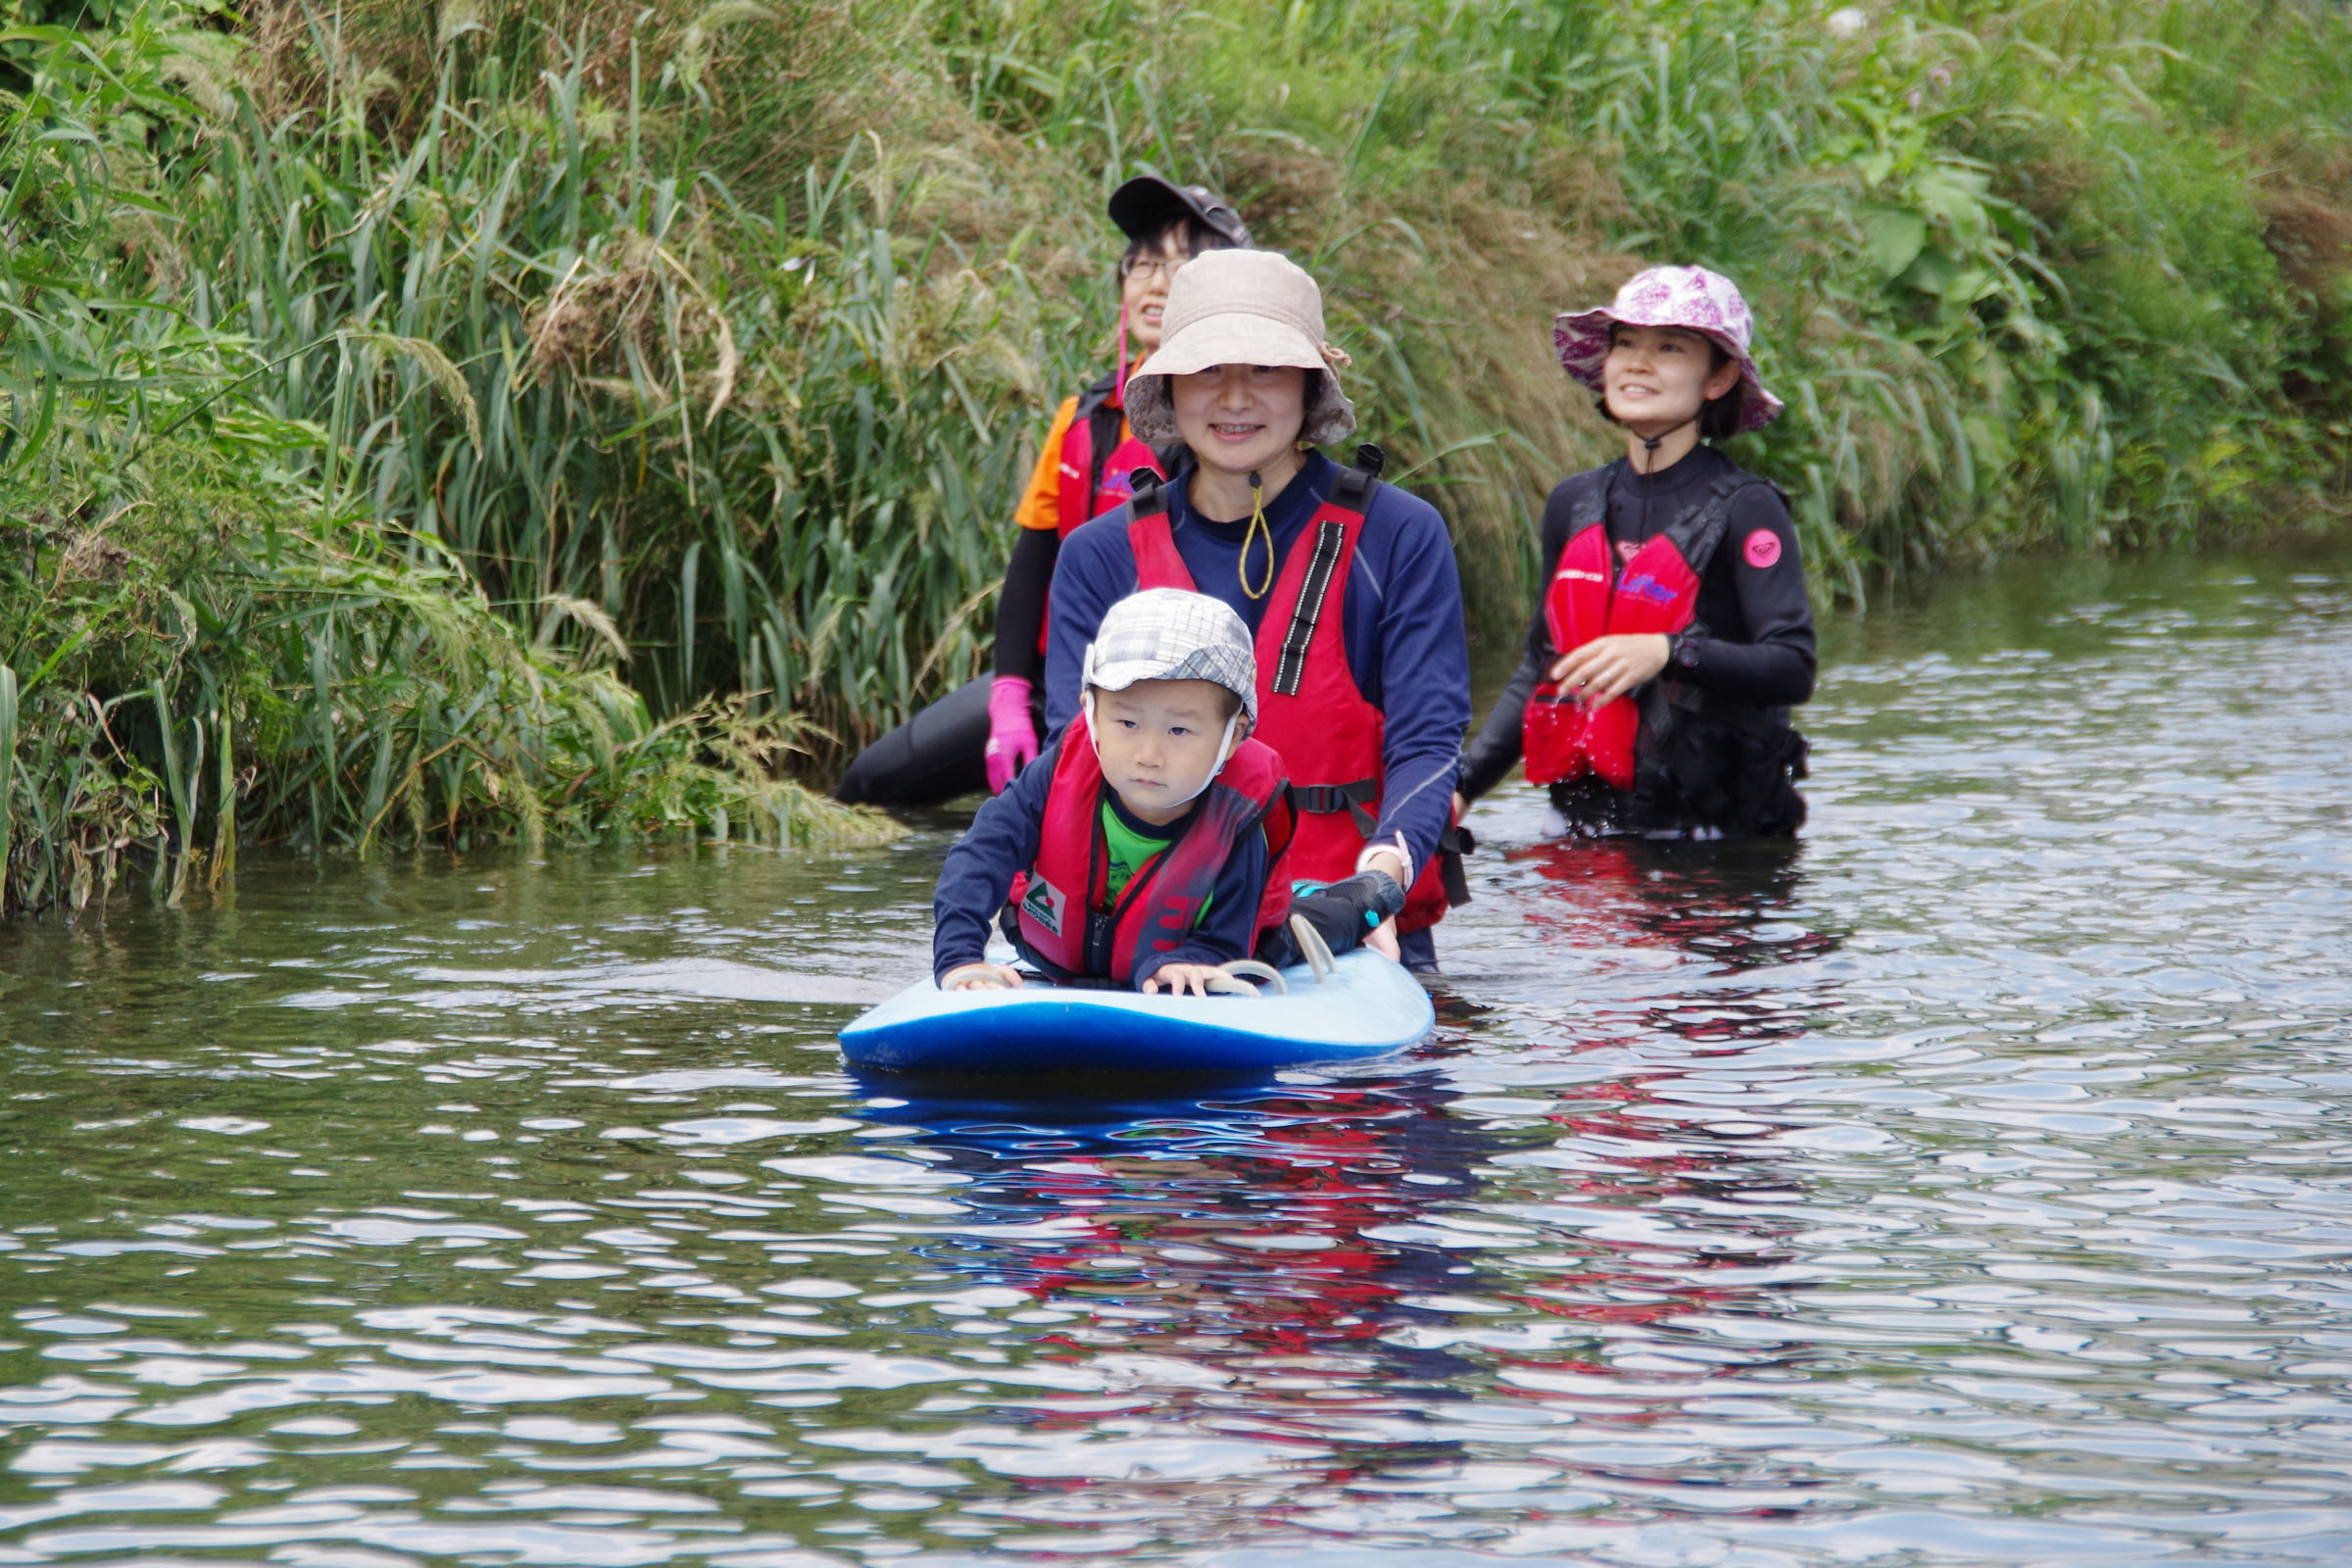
x,y
1680,653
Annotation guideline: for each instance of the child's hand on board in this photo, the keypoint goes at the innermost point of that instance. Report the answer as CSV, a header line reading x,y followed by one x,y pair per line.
x,y
981,977
1177,979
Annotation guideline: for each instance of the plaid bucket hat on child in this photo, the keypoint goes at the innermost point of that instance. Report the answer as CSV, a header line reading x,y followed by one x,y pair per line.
x,y
1241,307
1169,634
1688,296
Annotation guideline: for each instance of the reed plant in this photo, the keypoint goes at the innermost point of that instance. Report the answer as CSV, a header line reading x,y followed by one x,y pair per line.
x,y
767,448
223,618
331,692
2062,275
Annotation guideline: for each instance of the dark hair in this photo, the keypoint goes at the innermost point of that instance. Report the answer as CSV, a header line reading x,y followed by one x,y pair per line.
x,y
1194,235
1718,418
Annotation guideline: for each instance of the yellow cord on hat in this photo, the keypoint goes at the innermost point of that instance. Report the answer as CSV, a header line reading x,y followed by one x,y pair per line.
x,y
1258,525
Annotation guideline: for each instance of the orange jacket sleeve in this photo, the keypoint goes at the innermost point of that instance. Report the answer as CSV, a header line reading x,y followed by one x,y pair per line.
x,y
1041,502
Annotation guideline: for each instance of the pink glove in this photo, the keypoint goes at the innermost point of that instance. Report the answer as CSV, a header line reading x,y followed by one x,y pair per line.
x,y
1011,736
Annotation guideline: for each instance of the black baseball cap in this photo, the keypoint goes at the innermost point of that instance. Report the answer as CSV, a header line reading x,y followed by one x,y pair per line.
x,y
1147,204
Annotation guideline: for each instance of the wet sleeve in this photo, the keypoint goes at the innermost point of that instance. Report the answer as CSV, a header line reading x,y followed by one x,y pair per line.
x,y
1773,665
1095,570
1230,927
1424,680
973,885
1494,751
1041,502
1021,605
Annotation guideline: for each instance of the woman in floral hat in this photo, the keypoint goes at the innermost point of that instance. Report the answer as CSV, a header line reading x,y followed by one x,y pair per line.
x,y
1674,634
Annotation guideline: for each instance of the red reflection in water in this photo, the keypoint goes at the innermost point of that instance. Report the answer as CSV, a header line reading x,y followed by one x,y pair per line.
x,y
1708,899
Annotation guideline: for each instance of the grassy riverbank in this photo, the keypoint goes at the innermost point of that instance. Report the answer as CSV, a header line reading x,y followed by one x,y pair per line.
x,y
525,418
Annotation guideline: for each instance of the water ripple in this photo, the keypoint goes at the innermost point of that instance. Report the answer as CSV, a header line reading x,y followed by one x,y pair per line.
x,y
1967,1187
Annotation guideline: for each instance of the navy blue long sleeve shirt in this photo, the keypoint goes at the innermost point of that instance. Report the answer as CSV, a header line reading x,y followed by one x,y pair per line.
x,y
1002,843
1401,618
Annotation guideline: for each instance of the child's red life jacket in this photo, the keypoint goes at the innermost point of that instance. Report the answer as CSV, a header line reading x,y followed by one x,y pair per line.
x,y
1657,592
1063,916
1309,707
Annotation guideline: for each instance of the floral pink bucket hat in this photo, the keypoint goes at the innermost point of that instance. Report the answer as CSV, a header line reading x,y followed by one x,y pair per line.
x,y
1688,296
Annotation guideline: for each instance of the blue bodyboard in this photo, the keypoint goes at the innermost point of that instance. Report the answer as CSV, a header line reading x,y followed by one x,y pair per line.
x,y
1368,1007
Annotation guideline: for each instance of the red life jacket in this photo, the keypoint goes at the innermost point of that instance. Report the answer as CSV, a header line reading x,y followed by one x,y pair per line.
x,y
1064,918
1657,592
1097,466
1309,707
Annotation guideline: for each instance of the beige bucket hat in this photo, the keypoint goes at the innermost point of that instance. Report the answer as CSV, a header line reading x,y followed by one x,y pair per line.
x,y
1241,307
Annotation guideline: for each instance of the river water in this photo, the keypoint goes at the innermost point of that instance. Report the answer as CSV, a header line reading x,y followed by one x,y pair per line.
x,y
1968,1187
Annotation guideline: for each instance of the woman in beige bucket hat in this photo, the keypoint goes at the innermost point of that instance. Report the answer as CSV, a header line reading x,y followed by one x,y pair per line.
x,y
1348,585
1675,633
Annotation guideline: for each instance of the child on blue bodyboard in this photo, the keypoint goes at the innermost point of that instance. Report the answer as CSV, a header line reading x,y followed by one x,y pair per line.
x,y
1145,846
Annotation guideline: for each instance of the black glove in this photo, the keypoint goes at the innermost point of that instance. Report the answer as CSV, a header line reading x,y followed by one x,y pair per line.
x,y
1347,911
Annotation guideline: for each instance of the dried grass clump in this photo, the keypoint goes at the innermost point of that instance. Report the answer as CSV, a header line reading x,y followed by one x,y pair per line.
x,y
590,321
92,558
2310,226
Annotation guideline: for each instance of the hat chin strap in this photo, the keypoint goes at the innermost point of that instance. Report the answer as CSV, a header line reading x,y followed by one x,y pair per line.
x,y
1224,752
1094,736
1122,382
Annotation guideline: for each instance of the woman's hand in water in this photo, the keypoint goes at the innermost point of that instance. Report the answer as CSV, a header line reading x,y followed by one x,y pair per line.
x,y
1176,979
1608,667
981,977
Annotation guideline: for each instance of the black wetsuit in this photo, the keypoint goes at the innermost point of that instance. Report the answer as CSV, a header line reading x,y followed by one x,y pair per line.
x,y
940,754
1752,638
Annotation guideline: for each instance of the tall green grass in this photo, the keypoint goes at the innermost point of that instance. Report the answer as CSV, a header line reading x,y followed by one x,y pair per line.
x,y
2023,272
232,606
522,419
763,442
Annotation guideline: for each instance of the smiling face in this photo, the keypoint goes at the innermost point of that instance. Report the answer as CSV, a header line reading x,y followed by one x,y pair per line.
x,y
1240,419
1658,377
1145,274
1157,742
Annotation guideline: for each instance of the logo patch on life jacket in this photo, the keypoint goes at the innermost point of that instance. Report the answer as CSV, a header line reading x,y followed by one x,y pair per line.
x,y
1762,549
1648,587
1044,903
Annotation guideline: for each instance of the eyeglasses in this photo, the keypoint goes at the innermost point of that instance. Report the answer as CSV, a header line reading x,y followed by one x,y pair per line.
x,y
1149,267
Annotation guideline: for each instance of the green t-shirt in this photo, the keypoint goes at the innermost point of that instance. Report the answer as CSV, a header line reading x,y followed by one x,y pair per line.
x,y
1130,842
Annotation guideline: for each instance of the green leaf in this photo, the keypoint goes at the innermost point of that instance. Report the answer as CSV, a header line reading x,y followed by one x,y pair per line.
x,y
1893,241
1957,196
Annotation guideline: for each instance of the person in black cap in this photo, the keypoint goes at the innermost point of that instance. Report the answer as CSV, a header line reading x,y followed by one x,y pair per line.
x,y
984,732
